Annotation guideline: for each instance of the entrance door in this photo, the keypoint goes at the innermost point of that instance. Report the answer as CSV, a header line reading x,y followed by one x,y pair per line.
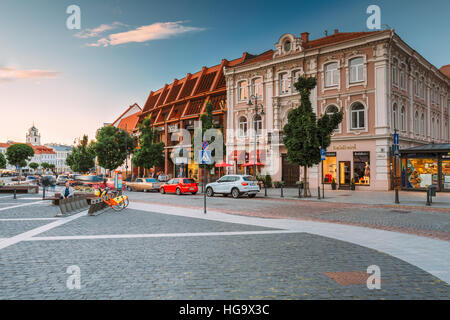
x,y
290,172
344,174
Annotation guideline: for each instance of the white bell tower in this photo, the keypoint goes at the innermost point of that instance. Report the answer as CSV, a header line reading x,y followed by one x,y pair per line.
x,y
33,136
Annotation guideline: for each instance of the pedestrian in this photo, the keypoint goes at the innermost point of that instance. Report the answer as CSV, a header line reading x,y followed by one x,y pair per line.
x,y
68,192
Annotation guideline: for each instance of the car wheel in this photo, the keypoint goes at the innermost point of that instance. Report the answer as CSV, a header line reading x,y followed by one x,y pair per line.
x,y
252,195
209,192
194,193
129,189
163,191
235,193
178,191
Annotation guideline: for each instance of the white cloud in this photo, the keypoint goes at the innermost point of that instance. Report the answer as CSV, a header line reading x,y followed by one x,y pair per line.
x,y
155,31
95,32
10,74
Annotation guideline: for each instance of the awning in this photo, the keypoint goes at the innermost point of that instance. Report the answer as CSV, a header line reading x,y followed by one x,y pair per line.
x,y
251,164
223,165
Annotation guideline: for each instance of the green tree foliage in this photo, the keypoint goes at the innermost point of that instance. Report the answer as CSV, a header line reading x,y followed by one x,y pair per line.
x,y
2,161
18,155
82,157
33,165
112,147
304,133
150,152
45,166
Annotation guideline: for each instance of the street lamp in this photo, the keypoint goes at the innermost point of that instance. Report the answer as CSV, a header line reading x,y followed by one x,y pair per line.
x,y
253,97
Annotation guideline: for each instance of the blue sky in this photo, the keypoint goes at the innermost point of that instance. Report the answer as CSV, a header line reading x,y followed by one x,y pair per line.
x,y
68,88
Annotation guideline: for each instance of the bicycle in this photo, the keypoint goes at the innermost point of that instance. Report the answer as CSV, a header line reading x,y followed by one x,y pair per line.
x,y
113,199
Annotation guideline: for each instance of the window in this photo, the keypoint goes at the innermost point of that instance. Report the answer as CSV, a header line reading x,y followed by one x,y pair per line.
x,y
356,70
257,87
330,110
438,130
416,87
242,91
416,123
331,74
358,116
394,73
422,125
361,168
432,94
402,80
421,91
287,46
257,124
242,127
284,84
403,119
394,117
295,76
432,128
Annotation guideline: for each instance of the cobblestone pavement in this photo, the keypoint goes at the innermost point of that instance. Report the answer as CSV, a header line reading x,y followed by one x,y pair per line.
x,y
428,222
141,254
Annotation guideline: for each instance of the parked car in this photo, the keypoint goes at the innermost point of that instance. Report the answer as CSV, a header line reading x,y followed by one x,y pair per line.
x,y
179,186
236,185
82,180
62,179
144,184
49,180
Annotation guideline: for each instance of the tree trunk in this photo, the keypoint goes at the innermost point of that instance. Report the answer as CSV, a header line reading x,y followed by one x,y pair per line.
x,y
305,179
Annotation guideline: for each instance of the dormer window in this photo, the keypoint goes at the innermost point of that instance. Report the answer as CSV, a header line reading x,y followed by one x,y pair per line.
x,y
287,46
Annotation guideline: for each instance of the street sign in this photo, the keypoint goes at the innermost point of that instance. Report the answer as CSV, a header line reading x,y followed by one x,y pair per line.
x,y
323,154
396,139
205,145
205,157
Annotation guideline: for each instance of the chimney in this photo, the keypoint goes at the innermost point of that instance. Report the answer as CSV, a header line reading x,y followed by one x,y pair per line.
x,y
305,37
336,31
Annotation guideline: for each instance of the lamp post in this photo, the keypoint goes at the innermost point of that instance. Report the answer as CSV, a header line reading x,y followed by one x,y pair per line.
x,y
255,98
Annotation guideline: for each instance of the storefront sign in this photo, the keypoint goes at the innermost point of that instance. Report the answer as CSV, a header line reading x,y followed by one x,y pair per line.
x,y
181,160
345,147
361,153
330,154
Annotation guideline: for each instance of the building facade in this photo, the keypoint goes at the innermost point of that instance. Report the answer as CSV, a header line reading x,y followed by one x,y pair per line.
x,y
62,152
381,84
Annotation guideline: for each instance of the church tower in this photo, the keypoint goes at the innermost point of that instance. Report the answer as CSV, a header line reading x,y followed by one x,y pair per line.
x,y
33,136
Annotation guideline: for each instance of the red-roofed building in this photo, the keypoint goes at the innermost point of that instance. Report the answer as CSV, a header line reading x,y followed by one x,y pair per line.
x,y
179,104
380,82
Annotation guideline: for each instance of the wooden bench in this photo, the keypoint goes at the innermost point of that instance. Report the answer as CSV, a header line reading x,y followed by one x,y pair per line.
x,y
19,189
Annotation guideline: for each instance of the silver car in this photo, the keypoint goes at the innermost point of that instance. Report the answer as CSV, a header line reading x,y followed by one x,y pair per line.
x,y
236,185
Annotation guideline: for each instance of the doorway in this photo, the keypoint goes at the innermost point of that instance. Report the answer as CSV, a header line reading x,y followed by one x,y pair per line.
x,y
344,175
290,172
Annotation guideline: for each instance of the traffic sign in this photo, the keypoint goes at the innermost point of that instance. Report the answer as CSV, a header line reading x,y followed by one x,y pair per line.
x,y
205,157
205,145
323,154
396,139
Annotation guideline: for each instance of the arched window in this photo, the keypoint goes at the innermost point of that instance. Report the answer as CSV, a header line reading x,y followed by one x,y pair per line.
x,y
332,109
356,70
331,74
422,125
395,117
242,91
295,75
242,127
358,114
416,123
257,124
403,119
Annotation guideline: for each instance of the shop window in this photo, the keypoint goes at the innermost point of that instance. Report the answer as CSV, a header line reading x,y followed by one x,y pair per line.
x,y
330,168
446,172
358,116
421,172
361,168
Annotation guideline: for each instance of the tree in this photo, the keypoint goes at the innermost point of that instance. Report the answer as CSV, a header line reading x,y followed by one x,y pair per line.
x,y
112,147
2,161
82,157
33,165
45,166
18,155
304,133
52,167
150,152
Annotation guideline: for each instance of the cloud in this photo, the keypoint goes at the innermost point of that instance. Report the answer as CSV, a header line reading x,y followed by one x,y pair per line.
x,y
155,31
95,32
11,74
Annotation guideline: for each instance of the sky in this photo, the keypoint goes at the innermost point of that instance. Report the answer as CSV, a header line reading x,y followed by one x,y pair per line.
x,y
69,82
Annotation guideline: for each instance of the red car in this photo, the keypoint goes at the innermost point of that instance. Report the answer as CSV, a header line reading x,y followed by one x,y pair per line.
x,y
179,186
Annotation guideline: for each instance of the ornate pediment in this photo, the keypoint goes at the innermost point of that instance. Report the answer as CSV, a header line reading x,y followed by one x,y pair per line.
x,y
287,44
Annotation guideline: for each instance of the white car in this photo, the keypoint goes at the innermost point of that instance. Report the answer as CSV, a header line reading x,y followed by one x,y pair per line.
x,y
236,185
